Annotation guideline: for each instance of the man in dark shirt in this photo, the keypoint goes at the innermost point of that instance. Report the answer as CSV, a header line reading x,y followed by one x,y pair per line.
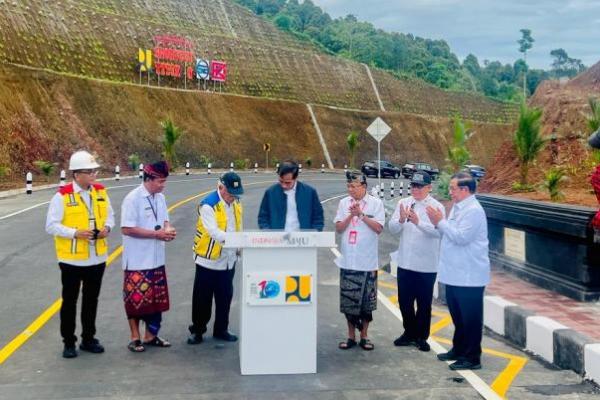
x,y
290,205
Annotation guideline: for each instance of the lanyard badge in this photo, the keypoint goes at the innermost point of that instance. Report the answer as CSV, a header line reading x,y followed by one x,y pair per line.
x,y
352,236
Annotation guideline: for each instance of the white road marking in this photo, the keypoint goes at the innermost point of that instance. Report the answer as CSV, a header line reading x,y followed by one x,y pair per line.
x,y
215,177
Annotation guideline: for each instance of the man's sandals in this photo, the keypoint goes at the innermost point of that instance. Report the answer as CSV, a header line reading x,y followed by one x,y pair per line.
x,y
136,346
348,344
364,343
157,342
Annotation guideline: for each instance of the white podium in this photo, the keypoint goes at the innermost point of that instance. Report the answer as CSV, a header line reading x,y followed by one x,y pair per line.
x,y
278,329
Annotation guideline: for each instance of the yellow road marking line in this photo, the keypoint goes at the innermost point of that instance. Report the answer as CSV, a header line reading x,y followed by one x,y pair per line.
x,y
503,381
45,316
441,324
394,299
387,285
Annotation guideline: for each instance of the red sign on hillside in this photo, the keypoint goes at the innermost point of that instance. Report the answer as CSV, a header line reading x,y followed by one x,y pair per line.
x,y
176,55
173,41
218,71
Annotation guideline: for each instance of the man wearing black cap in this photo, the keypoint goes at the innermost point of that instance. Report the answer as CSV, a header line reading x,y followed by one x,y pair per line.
x,y
219,212
417,259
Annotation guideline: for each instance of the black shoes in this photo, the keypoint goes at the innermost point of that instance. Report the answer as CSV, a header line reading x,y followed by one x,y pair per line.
x,y
449,356
194,338
226,336
464,364
422,345
69,352
404,341
92,346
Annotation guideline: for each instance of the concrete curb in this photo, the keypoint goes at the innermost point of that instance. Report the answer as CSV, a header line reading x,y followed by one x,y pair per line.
x,y
552,341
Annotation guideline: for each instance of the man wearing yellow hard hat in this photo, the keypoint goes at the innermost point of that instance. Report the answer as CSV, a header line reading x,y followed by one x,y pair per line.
x,y
80,218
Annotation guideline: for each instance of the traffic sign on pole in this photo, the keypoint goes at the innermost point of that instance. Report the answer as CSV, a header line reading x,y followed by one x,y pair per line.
x,y
378,130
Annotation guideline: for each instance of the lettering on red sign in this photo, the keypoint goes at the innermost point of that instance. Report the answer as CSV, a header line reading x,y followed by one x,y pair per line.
x,y
165,69
161,53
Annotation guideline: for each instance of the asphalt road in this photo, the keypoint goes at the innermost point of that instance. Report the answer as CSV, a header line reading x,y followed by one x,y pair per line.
x,y
34,369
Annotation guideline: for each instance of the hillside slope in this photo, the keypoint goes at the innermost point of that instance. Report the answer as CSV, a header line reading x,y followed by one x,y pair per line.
x,y
100,38
45,116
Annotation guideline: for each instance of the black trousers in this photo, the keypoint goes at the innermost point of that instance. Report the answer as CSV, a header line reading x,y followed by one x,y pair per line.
x,y
89,279
466,309
416,287
209,283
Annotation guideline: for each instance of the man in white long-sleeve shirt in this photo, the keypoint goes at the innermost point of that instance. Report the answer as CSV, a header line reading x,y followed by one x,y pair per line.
x,y
219,212
464,269
417,259
80,218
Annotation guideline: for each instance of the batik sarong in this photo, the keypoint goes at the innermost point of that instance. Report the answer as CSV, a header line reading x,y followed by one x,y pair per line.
x,y
358,295
145,292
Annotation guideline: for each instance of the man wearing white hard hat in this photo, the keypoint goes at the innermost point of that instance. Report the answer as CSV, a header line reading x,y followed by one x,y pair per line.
x,y
80,218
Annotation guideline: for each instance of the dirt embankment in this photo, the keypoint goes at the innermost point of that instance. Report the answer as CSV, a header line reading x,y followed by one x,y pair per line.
x,y
565,112
44,116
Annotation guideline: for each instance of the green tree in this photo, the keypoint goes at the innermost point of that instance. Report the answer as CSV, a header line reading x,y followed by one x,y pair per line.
x,y
171,135
283,22
565,66
528,140
458,154
525,44
352,142
593,120
472,65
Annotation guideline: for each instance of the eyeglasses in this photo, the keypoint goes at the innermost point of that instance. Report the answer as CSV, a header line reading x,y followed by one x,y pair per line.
x,y
416,186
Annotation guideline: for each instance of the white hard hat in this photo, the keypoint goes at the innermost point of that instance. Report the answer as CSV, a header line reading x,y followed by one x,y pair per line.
x,y
82,160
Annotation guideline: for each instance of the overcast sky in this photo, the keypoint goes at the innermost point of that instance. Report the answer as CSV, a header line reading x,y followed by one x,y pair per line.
x,y
488,28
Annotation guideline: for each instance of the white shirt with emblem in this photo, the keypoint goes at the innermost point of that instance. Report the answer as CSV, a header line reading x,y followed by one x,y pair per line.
x,y
138,211
360,254
419,245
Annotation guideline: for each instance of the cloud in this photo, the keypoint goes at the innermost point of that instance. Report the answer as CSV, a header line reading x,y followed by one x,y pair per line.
x,y
488,29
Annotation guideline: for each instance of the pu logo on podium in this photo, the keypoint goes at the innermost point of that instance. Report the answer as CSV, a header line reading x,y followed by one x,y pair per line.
x,y
298,289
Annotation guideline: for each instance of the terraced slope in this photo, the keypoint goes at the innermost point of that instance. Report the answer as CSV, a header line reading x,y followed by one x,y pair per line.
x,y
100,38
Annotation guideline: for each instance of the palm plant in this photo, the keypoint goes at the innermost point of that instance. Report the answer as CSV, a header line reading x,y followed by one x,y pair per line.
x,y
352,141
45,167
553,179
528,140
4,171
171,134
593,120
458,154
133,161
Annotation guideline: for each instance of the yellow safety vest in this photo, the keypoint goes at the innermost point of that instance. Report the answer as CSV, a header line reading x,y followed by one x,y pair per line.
x,y
76,215
204,245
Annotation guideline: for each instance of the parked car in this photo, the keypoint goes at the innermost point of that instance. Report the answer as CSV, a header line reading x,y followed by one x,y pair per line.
x,y
409,169
388,170
477,171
